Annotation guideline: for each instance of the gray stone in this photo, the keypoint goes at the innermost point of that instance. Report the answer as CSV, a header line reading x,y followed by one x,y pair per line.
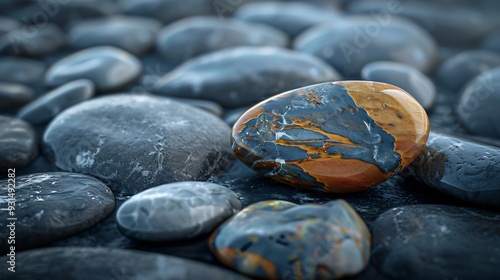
x,y
133,34
108,67
436,242
351,43
479,103
7,25
460,168
52,103
492,43
135,142
404,76
176,211
109,264
206,105
18,143
21,70
460,69
14,96
195,36
51,206
41,40
244,75
167,11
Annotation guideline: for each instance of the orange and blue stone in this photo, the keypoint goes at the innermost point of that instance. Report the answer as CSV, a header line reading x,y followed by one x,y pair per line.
x,y
281,240
336,137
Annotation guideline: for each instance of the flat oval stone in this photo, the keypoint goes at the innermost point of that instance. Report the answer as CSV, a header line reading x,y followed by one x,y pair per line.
x,y
333,137
21,70
281,240
14,95
108,67
292,18
478,106
19,144
132,34
460,69
244,75
42,40
404,76
176,211
351,43
135,142
195,36
79,263
460,168
436,242
54,102
167,11
51,206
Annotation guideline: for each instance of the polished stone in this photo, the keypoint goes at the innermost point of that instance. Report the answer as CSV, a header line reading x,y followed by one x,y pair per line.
x,y
333,137
281,240
14,96
167,11
21,70
18,143
42,40
176,211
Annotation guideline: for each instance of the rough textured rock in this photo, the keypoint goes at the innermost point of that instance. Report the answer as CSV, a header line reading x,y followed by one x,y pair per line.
x,y
18,143
176,211
245,75
134,142
51,206
434,242
460,168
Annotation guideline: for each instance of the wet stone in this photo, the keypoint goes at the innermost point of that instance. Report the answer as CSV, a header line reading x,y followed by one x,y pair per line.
x,y
108,67
351,43
19,144
460,69
167,11
14,96
282,240
478,106
51,206
176,211
132,34
460,168
409,242
243,76
104,264
333,137
135,142
45,108
404,76
292,18
43,39
195,36
21,70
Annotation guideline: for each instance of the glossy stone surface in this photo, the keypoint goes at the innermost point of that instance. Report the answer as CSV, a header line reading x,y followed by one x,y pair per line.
x,y
51,206
460,168
460,69
111,264
21,70
292,18
409,242
332,137
135,142
351,43
404,76
42,40
479,103
195,36
176,211
14,95
18,143
167,11
281,240
132,34
244,75
108,67
54,102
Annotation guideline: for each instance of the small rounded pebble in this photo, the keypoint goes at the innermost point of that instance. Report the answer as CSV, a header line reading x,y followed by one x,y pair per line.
x,y
14,96
176,211
45,39
478,106
108,67
19,144
244,75
281,240
193,37
132,34
404,76
48,106
21,70
51,206
333,137
167,11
